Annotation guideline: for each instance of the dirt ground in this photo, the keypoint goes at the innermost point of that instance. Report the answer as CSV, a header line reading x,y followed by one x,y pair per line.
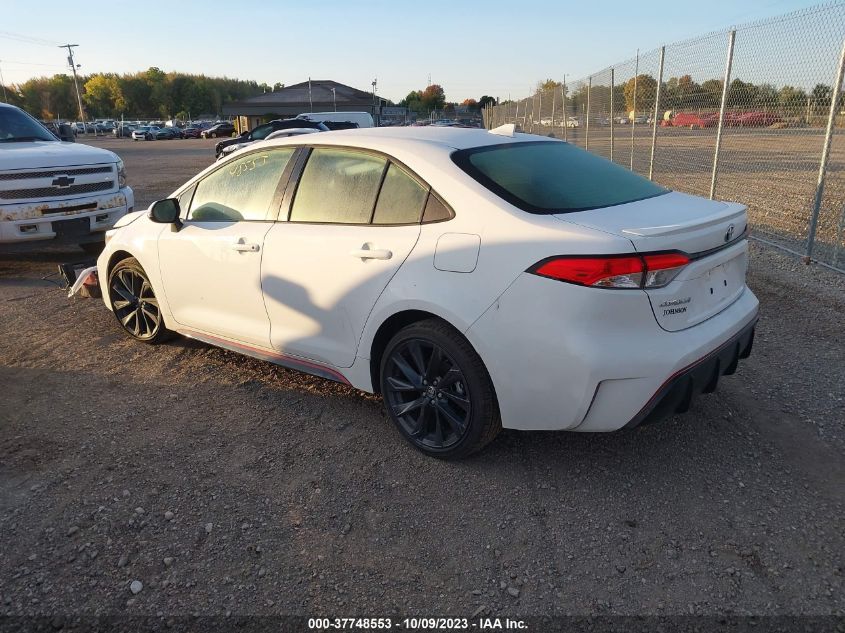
x,y
226,484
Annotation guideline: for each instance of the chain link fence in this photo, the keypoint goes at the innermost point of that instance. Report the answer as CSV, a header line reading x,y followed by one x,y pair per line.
x,y
754,114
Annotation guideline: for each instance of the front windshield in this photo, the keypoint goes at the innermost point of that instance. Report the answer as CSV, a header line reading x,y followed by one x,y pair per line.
x,y
16,126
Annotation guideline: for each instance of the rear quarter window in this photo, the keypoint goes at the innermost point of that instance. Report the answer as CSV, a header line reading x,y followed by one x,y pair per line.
x,y
553,177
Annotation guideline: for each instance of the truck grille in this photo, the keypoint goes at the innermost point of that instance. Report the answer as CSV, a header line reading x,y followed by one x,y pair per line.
x,y
62,171
54,192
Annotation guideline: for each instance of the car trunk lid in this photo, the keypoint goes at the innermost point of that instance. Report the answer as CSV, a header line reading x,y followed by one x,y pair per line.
x,y
711,233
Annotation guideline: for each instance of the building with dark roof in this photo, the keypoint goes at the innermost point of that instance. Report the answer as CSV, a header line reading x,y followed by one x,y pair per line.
x,y
316,95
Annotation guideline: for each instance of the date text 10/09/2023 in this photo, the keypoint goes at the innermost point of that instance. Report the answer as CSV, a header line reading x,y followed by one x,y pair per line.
x,y
417,624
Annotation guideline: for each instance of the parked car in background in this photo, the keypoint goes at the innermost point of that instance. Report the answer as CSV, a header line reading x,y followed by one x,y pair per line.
x,y
62,131
572,122
218,130
297,131
82,128
168,133
145,133
54,192
476,280
757,119
694,120
191,132
265,129
124,130
357,119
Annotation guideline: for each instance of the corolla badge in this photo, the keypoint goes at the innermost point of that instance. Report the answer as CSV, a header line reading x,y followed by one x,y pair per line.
x,y
675,302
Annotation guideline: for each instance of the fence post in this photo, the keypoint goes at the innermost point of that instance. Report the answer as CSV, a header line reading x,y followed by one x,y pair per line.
x,y
516,116
656,111
725,89
540,110
563,96
828,136
611,114
587,122
533,101
634,118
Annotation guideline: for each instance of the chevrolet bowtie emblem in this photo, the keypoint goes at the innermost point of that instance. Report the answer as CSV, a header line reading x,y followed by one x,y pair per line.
x,y
63,181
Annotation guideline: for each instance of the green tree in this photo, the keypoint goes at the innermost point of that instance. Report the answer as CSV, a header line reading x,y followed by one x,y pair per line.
x,y
711,94
792,98
433,97
742,94
103,96
485,101
821,95
646,91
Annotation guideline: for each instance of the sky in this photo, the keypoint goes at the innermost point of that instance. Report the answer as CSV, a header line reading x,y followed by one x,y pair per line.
x,y
495,47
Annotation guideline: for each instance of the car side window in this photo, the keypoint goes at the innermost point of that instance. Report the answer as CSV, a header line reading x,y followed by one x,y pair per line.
x,y
338,186
261,132
401,198
436,210
240,190
185,200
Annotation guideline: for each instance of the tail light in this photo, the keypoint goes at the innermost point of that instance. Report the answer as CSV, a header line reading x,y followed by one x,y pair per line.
x,y
653,270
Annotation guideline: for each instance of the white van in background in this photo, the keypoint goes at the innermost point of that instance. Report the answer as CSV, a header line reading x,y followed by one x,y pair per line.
x,y
361,119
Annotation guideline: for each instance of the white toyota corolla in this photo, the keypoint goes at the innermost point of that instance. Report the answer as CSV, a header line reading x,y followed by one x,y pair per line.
x,y
475,279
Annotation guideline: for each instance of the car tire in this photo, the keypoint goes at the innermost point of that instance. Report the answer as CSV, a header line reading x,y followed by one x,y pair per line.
x,y
134,303
213,135
438,392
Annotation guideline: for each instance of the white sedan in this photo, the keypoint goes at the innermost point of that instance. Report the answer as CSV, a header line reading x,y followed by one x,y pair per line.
x,y
475,279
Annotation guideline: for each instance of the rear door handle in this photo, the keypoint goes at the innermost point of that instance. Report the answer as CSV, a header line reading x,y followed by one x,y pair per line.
x,y
245,248
372,253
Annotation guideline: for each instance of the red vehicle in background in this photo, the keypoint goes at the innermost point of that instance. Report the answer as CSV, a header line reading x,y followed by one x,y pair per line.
x,y
733,119
757,119
693,120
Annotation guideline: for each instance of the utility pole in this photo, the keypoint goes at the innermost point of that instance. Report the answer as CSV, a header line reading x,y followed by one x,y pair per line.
x,y
72,64
334,98
3,83
375,115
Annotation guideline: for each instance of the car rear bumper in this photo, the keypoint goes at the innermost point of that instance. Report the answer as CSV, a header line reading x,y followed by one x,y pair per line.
x,y
565,357
676,394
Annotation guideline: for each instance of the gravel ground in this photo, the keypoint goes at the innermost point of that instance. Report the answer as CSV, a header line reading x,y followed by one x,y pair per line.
x,y
183,479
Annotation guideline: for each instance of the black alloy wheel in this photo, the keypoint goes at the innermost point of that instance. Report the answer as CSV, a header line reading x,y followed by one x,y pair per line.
x,y
134,302
437,391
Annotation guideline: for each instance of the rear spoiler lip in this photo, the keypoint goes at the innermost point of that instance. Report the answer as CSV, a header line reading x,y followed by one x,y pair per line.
x,y
710,251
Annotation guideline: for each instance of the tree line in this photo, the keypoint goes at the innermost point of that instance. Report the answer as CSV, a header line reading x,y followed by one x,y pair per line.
x,y
433,97
683,93
152,93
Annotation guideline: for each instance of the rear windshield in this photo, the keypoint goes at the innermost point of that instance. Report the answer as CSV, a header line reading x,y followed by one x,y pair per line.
x,y
553,177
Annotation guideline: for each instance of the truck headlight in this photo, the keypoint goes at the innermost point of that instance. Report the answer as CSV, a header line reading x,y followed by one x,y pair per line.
x,y
121,174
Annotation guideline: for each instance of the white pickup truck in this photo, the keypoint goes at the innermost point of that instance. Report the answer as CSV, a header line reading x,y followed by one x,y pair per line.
x,y
53,191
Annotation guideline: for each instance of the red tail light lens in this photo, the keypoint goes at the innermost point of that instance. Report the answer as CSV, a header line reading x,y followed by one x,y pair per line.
x,y
609,272
614,271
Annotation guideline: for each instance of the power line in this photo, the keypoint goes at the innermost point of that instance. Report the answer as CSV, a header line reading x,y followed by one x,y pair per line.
x,y
12,61
26,38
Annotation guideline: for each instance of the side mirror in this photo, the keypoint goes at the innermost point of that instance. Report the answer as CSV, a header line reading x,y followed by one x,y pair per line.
x,y
66,133
166,212
244,133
